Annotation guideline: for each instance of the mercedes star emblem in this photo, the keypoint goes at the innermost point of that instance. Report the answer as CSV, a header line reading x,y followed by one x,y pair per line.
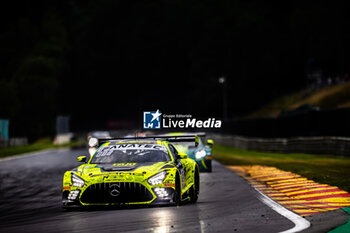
x,y
114,190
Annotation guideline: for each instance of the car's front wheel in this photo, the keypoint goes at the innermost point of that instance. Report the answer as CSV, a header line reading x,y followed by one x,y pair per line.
x,y
194,192
177,193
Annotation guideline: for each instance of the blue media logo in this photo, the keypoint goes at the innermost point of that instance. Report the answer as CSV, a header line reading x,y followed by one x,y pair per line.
x,y
151,120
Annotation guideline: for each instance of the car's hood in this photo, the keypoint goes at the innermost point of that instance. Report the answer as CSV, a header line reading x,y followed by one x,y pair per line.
x,y
101,169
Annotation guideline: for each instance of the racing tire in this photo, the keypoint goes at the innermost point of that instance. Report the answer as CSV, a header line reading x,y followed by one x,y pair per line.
x,y
194,192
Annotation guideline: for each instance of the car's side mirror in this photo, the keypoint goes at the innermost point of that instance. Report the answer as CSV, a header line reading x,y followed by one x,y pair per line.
x,y
81,159
182,155
210,142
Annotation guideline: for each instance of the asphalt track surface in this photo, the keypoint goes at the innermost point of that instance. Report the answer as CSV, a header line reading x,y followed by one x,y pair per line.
x,y
30,199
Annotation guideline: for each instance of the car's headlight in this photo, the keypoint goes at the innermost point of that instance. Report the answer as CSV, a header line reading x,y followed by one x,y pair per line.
x,y
200,154
73,194
77,181
161,192
93,142
157,178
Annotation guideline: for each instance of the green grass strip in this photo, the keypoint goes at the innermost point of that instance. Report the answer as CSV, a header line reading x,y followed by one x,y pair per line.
x,y
345,228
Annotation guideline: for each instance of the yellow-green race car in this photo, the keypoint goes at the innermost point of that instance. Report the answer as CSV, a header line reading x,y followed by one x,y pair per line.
x,y
132,171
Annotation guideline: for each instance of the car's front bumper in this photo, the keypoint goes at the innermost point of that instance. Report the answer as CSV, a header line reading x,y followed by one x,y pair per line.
x,y
119,193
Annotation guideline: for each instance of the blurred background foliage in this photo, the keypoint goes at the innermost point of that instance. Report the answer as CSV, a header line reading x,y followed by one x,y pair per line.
x,y
102,60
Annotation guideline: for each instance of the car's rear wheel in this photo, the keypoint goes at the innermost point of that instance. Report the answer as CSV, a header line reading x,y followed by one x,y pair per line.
x,y
194,192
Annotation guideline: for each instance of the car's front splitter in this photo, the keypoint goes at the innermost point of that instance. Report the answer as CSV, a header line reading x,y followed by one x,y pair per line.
x,y
165,196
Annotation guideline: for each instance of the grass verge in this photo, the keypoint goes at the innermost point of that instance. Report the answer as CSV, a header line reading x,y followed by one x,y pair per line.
x,y
326,97
326,169
37,146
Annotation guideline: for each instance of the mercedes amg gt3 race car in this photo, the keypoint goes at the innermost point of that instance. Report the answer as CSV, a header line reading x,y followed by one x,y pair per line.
x,y
133,171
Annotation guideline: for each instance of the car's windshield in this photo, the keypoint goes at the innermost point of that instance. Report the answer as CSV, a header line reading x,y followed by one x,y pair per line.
x,y
131,153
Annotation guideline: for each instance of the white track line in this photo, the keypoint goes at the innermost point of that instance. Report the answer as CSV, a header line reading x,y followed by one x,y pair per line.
x,y
300,222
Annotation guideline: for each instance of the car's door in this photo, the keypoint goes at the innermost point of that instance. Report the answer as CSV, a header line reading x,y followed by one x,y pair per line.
x,y
180,164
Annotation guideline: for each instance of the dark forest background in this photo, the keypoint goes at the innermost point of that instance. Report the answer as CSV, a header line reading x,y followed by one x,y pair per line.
x,y
110,60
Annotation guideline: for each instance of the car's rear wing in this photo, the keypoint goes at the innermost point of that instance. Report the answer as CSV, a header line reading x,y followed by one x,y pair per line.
x,y
96,142
199,134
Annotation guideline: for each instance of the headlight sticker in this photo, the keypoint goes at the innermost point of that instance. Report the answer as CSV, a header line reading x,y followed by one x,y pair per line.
x,y
77,181
157,178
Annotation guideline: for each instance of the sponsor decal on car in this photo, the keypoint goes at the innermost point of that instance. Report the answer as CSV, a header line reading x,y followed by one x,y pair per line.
x,y
124,164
